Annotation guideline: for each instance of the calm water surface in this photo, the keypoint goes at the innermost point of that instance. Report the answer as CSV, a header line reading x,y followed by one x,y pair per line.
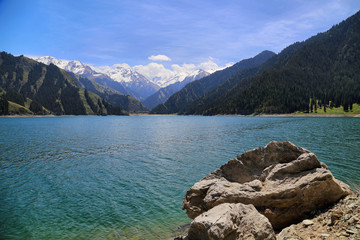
x,y
125,177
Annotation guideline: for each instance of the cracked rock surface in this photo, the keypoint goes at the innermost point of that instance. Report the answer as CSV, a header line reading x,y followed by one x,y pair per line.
x,y
230,221
284,183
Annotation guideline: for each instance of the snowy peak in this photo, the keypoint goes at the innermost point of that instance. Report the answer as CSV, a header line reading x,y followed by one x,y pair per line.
x,y
197,74
134,82
123,73
73,66
187,77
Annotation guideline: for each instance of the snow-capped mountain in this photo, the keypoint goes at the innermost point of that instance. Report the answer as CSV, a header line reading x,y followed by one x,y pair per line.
x,y
119,77
195,75
163,76
136,83
73,66
164,93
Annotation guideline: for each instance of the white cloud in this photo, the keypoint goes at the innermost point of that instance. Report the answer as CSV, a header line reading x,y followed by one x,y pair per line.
x,y
229,64
188,68
210,66
159,58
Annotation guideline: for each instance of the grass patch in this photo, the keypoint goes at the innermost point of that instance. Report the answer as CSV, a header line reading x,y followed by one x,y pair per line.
x,y
334,110
15,108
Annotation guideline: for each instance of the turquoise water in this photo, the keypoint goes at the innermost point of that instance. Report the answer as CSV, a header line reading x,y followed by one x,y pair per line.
x,y
125,177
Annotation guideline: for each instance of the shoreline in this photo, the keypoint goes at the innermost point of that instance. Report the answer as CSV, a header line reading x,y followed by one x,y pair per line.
x,y
40,116
218,115
309,115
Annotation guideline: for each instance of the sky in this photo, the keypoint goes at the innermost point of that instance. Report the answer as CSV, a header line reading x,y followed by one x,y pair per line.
x,y
169,33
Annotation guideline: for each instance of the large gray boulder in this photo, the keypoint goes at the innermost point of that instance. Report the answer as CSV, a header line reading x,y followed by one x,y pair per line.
x,y
282,181
231,222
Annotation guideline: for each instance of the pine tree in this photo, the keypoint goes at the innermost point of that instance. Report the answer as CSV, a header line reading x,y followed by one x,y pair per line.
x,y
4,106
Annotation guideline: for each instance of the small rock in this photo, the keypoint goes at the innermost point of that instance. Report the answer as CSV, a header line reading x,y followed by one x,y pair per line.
x,y
308,223
325,235
352,220
334,217
350,231
358,226
352,205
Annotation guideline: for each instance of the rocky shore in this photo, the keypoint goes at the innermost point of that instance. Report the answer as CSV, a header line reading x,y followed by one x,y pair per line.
x,y
340,221
279,191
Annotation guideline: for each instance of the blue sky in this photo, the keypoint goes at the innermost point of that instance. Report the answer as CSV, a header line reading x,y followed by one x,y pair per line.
x,y
104,32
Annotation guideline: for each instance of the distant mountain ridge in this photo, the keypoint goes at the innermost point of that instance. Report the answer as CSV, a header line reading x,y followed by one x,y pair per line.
x,y
164,93
194,90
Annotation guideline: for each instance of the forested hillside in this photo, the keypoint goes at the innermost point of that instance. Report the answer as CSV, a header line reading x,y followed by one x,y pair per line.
x,y
195,90
29,87
323,71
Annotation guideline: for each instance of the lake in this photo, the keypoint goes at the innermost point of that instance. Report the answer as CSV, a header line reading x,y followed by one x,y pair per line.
x,y
125,177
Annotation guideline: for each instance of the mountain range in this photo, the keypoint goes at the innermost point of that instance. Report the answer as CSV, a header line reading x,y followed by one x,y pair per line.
x,y
124,79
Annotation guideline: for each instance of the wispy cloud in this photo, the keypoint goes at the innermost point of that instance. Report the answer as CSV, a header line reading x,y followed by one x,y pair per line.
x,y
303,23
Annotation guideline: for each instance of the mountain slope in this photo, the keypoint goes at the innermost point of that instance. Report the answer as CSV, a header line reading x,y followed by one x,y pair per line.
x,y
199,88
46,89
83,70
114,97
164,93
323,71
93,80
204,105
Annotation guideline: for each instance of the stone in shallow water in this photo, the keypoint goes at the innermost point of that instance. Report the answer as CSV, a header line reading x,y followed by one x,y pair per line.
x,y
282,181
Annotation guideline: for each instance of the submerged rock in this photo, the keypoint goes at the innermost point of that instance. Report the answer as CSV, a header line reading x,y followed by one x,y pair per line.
x,y
230,222
282,181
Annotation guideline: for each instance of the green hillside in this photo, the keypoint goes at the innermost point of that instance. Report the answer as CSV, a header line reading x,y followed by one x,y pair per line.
x,y
42,89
